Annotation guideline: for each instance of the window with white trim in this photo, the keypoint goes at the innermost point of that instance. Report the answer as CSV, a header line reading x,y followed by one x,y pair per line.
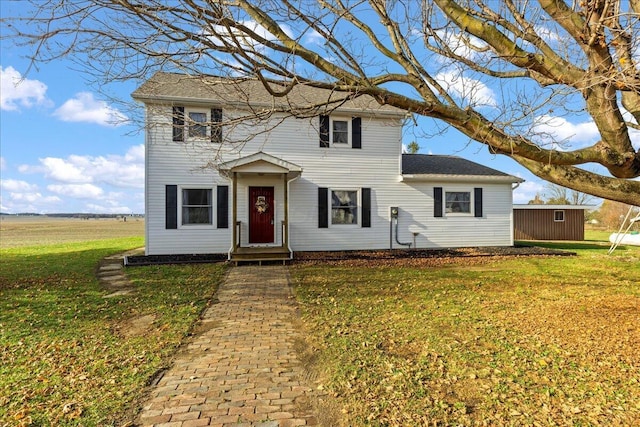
x,y
457,202
558,216
197,124
340,131
344,207
197,207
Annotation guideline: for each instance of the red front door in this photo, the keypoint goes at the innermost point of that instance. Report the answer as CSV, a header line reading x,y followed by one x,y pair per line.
x,y
261,217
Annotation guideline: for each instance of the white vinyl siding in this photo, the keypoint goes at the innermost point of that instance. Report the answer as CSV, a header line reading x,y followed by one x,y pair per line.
x,y
375,166
494,228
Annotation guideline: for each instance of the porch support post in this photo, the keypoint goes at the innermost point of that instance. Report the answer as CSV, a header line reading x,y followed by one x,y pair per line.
x,y
234,204
285,230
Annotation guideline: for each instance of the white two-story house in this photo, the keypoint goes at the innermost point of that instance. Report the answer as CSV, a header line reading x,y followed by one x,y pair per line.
x,y
232,169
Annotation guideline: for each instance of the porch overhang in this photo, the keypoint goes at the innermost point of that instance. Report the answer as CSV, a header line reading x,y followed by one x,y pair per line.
x,y
260,163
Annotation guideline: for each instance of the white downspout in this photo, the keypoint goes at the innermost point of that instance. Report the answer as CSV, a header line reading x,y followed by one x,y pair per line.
x,y
512,239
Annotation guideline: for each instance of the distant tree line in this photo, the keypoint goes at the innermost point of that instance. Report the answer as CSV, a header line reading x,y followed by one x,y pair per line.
x,y
611,215
74,215
557,195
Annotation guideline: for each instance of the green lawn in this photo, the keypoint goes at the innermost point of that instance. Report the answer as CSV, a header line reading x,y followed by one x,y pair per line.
x,y
69,356
521,341
470,341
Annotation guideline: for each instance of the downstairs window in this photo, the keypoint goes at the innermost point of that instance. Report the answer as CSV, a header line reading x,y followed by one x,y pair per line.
x,y
458,202
344,207
196,206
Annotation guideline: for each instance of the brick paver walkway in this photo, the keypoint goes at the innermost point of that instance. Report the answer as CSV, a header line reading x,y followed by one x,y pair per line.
x,y
241,370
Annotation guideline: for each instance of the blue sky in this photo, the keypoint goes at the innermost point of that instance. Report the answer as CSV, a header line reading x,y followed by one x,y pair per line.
x,y
64,148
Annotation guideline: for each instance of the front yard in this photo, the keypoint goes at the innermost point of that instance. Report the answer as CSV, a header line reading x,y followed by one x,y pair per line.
x,y
476,341
447,340
70,356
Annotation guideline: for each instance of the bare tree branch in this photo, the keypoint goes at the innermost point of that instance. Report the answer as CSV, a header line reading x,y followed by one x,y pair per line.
x,y
440,59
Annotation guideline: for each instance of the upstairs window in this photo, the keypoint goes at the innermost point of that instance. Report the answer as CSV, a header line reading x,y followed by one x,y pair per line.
x,y
458,202
340,134
197,125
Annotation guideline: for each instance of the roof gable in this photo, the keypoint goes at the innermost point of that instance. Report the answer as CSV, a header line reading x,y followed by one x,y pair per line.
x,y
260,162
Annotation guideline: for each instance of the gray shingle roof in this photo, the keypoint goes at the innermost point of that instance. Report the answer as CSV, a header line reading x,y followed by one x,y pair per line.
x,y
172,87
426,164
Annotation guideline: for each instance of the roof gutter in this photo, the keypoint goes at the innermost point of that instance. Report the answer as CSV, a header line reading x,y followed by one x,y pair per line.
x,y
459,178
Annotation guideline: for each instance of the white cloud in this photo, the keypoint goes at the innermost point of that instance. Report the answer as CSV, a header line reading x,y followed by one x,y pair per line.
x,y
474,92
462,44
65,170
564,134
135,154
223,36
547,34
3,164
19,202
76,191
34,198
85,108
110,204
314,37
19,196
120,171
81,184
527,191
17,91
14,185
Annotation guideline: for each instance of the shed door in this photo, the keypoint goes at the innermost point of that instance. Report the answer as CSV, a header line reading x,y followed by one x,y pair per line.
x,y
261,219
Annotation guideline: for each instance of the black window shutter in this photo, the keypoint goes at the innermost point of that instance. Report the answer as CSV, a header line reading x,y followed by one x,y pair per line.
x,y
324,131
356,132
477,202
437,202
323,207
366,207
178,124
171,207
222,212
216,127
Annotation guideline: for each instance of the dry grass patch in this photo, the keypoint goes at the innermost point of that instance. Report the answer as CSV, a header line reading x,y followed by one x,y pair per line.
x,y
38,231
